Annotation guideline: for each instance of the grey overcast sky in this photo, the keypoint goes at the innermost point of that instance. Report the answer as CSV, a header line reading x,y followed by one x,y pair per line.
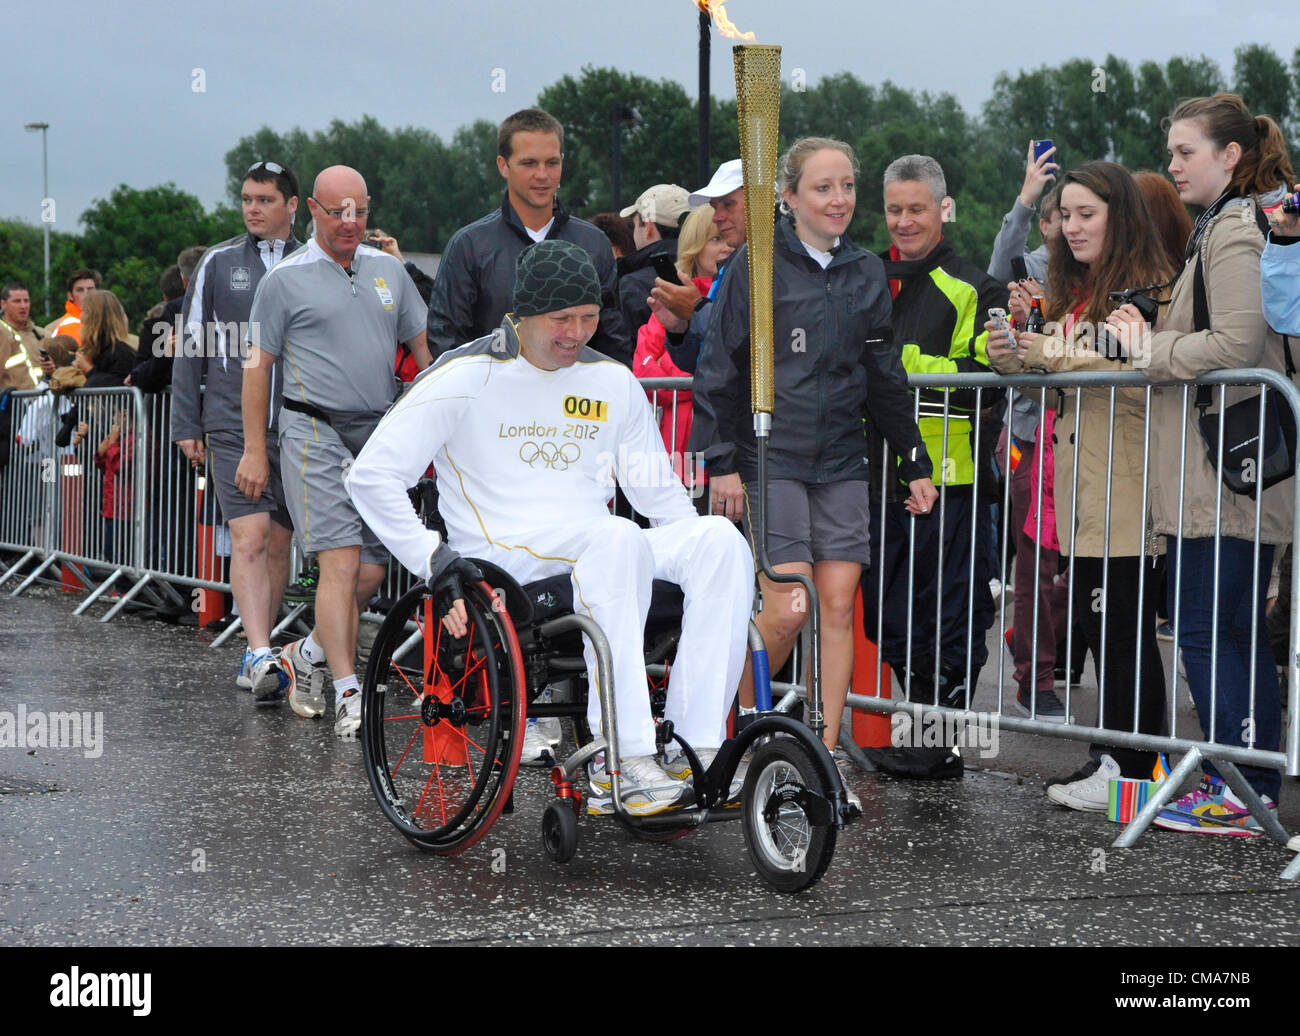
x,y
117,81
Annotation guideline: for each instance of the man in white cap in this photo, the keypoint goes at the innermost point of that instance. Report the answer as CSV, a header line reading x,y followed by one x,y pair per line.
x,y
657,216
679,308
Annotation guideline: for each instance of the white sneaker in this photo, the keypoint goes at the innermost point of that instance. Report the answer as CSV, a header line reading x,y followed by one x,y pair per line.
x,y
849,793
645,788
347,718
548,726
268,681
244,678
678,767
306,682
537,748
1294,844
1091,794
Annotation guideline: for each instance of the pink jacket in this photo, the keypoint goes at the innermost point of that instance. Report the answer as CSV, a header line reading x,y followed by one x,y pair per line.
x,y
651,360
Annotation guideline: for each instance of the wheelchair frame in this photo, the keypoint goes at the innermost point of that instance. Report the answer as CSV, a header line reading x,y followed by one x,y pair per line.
x,y
479,684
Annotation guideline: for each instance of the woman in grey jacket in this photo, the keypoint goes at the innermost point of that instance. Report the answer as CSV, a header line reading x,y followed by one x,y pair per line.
x,y
835,364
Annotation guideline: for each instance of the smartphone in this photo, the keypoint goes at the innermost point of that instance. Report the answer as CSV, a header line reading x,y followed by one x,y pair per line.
x,y
1041,147
1018,270
666,268
45,354
998,317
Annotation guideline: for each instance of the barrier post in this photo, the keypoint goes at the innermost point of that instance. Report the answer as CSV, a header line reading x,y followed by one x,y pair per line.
x,y
72,486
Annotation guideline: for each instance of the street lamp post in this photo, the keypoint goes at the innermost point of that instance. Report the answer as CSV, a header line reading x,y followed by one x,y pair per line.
x,y
624,115
702,169
32,127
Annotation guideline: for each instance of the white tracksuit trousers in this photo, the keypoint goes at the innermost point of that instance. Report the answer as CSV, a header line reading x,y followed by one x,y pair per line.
x,y
613,564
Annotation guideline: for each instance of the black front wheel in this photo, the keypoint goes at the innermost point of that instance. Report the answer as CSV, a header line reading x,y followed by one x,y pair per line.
x,y
788,847
560,831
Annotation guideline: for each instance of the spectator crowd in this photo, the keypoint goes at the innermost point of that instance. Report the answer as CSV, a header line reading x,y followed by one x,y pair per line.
x,y
281,358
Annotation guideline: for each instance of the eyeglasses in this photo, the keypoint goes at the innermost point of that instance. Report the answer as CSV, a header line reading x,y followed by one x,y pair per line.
x,y
270,167
352,213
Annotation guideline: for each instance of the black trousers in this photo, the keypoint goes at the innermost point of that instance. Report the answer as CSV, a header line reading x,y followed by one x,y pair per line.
x,y
962,628
1117,611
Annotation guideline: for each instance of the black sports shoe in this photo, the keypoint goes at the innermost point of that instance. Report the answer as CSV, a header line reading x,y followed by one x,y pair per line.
x,y
304,590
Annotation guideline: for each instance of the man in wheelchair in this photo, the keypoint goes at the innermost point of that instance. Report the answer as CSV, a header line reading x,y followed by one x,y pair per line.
x,y
528,430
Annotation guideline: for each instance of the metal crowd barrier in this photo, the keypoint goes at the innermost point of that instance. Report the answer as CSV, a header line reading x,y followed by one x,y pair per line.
x,y
163,533
78,504
1225,756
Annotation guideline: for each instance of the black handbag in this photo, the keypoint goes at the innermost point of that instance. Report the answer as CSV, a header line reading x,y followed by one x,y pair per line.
x,y
1246,466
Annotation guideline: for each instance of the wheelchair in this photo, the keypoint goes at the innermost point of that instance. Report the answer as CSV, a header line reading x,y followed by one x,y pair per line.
x,y
443,722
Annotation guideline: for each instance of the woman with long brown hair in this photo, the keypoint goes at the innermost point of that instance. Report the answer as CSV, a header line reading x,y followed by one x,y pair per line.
x,y
104,357
1234,164
1107,244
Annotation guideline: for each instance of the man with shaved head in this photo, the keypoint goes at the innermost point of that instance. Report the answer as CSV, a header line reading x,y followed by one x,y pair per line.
x,y
336,310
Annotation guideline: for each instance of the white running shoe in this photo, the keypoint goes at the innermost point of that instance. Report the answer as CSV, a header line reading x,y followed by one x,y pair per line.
x,y
548,726
1091,793
645,788
678,767
347,718
537,747
268,681
849,793
244,678
306,682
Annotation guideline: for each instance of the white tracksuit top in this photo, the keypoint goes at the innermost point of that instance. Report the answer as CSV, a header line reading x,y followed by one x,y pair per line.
x,y
515,448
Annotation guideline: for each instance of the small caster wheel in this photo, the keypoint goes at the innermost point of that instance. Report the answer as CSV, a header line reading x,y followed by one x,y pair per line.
x,y
560,831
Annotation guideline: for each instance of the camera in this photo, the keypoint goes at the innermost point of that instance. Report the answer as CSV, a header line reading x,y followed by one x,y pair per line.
x,y
1149,307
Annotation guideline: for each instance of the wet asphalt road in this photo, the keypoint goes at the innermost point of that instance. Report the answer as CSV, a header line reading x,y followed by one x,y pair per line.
x,y
207,822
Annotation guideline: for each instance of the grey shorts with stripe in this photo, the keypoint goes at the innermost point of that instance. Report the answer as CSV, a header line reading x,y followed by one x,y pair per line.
x,y
811,523
226,448
323,515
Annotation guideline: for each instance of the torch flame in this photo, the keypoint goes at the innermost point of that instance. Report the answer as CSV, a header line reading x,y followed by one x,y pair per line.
x,y
717,10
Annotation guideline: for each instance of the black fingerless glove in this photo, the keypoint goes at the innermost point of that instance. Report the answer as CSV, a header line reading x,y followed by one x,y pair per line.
x,y
448,573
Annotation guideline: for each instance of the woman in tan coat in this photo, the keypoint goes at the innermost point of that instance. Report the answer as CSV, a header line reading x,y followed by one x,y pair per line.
x,y
1107,244
1229,161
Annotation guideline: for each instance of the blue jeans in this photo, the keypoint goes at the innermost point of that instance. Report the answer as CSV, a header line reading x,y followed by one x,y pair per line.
x,y
1193,561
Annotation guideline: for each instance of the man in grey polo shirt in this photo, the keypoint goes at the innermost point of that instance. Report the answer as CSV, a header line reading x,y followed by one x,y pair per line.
x,y
336,310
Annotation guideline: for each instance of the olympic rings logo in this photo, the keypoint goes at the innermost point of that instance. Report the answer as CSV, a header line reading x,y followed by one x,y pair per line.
x,y
548,455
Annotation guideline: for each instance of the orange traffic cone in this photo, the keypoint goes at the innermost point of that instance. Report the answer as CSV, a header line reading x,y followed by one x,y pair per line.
x,y
870,729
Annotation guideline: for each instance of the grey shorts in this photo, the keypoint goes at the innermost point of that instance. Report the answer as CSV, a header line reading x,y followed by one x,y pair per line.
x,y
811,523
226,448
323,515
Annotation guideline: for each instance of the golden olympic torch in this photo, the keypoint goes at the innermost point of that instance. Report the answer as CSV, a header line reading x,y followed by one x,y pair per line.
x,y
758,110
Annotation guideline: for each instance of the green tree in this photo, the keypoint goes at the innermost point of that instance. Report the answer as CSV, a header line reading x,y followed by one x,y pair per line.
x,y
1262,80
660,148
22,258
398,166
133,235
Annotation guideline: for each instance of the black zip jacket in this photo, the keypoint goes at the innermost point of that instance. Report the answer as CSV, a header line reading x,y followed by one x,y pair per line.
x,y
636,276
834,364
475,285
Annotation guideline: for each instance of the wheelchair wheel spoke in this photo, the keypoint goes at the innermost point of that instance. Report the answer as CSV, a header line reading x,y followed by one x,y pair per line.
x,y
441,762
416,734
